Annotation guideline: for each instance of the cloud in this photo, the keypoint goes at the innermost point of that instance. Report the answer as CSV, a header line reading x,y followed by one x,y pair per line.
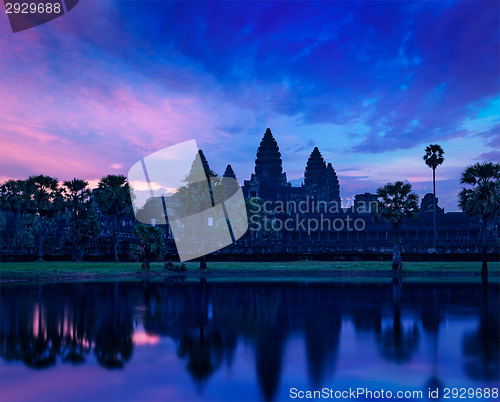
x,y
369,83
492,156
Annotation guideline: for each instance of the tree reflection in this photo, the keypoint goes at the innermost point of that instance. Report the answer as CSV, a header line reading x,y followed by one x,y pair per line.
x,y
397,344
113,340
76,346
431,321
71,324
39,325
481,347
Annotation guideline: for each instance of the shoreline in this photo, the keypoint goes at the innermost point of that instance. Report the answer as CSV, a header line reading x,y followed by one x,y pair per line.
x,y
304,271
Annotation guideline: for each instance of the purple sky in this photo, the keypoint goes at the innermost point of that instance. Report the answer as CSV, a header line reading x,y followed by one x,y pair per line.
x,y
370,83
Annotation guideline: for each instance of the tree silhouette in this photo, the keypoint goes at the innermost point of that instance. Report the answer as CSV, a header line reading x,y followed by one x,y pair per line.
x,y
482,198
150,246
83,225
113,199
396,200
46,201
13,198
433,158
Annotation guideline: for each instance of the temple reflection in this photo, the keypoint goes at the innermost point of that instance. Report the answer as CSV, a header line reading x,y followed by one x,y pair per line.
x,y
51,324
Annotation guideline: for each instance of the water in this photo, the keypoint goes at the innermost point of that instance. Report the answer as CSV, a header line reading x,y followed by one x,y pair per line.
x,y
184,340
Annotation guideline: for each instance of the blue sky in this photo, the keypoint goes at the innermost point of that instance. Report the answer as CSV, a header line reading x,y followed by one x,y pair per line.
x,y
370,83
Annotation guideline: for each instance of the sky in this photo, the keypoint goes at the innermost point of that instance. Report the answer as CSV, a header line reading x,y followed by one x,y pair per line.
x,y
369,83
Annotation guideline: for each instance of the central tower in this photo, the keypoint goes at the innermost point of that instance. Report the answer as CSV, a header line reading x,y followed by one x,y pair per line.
x,y
268,165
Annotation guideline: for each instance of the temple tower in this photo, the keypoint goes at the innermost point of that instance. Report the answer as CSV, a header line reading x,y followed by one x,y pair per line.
x,y
268,165
205,164
320,179
315,173
230,185
333,184
229,172
193,173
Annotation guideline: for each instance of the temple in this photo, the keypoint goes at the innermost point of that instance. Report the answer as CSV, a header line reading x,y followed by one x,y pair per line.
x,y
305,221
317,203
457,232
269,181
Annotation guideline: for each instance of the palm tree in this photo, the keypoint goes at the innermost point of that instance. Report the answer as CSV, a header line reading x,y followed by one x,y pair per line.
x,y
113,199
396,200
13,198
83,220
482,198
150,246
433,158
45,195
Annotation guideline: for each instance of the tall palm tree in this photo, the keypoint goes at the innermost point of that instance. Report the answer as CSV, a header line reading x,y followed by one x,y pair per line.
x,y
45,195
397,200
482,198
433,158
113,199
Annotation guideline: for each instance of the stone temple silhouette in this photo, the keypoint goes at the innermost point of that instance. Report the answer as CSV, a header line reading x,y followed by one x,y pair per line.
x,y
270,183
457,232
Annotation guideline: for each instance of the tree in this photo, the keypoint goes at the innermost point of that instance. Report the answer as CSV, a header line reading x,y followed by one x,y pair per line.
x,y
45,196
83,224
13,198
433,158
482,198
150,246
396,201
113,199
196,195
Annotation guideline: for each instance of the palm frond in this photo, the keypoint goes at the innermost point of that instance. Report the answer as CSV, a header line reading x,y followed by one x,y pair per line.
x,y
396,200
483,195
433,156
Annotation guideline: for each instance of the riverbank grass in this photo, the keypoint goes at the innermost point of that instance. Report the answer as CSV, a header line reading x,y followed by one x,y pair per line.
x,y
67,271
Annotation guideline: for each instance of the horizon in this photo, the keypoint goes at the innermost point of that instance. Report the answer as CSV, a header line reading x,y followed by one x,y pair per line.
x,y
371,84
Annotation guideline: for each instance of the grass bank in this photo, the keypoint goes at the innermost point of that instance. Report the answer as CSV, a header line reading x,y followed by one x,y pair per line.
x,y
272,271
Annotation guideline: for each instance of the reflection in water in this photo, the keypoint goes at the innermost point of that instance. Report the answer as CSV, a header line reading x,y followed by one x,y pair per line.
x,y
43,322
481,346
396,343
322,334
431,319
44,325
